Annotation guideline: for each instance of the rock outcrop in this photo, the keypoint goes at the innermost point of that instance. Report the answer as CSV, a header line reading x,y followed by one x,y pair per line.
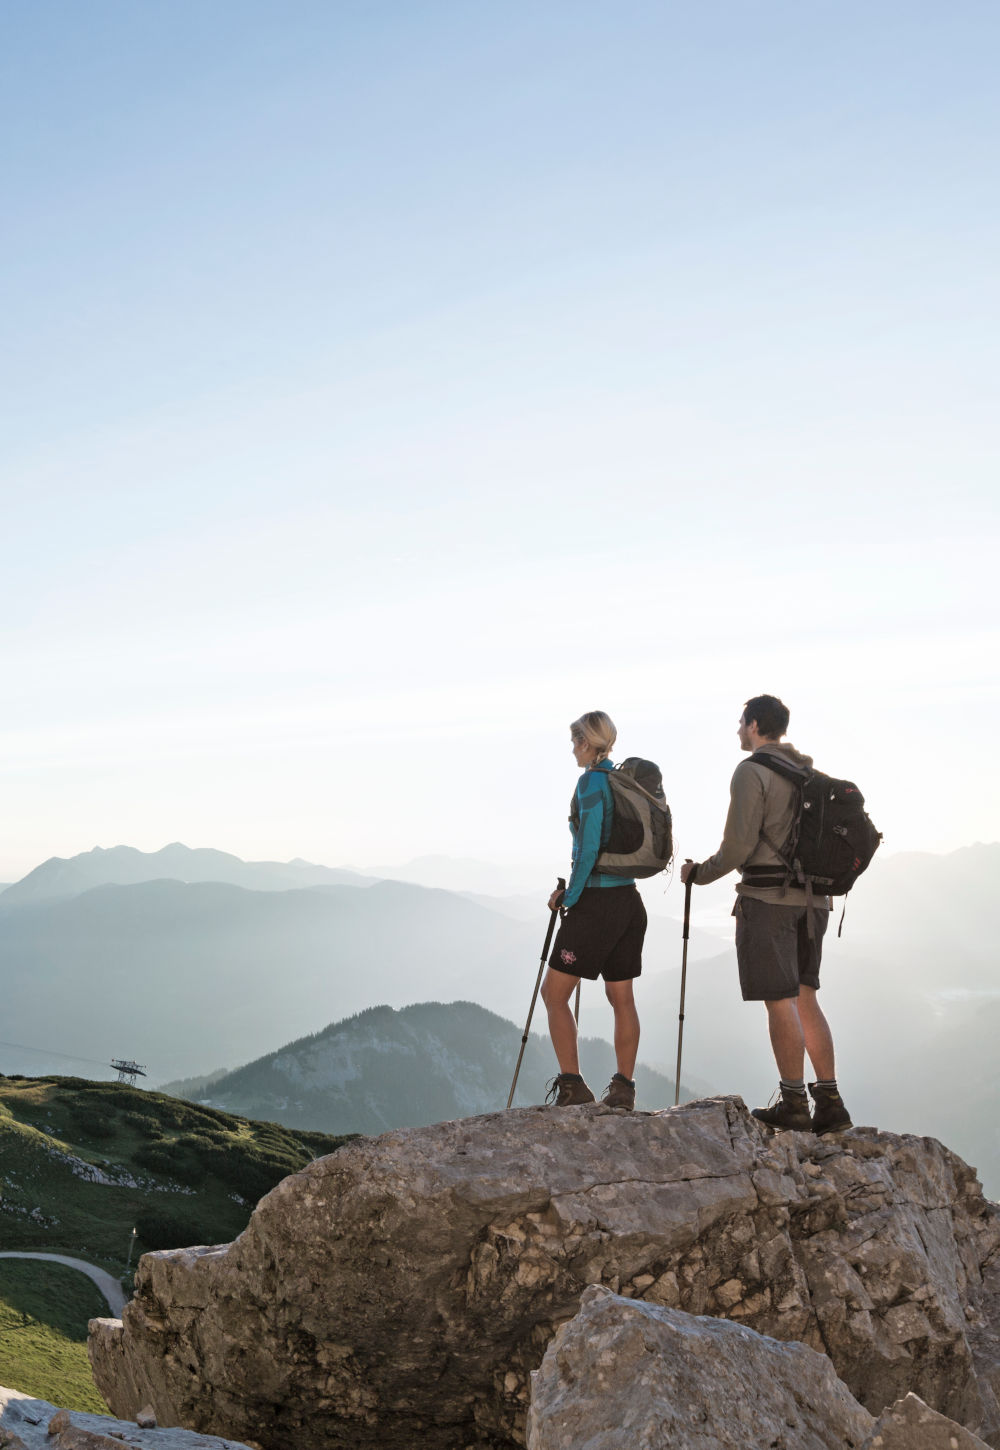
x,y
625,1372
401,1291
30,1424
622,1372
909,1424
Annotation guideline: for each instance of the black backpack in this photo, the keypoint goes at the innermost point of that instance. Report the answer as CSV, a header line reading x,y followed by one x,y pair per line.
x,y
832,840
640,841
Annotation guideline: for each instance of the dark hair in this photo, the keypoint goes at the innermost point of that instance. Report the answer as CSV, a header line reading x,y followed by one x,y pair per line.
x,y
769,713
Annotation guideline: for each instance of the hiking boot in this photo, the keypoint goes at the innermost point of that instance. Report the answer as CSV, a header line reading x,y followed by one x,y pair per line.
x,y
569,1090
829,1115
790,1111
620,1093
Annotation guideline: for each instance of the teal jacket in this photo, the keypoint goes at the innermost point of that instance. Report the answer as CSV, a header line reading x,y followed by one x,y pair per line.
x,y
595,807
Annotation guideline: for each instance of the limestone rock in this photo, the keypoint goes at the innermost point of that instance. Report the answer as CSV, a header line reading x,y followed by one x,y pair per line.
x,y
30,1424
400,1292
627,1373
909,1424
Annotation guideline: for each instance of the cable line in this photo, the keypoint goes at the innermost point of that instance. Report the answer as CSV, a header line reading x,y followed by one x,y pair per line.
x,y
49,1052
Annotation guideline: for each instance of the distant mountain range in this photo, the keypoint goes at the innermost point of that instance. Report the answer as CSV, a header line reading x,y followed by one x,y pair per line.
x,y
186,974
184,977
61,878
385,1069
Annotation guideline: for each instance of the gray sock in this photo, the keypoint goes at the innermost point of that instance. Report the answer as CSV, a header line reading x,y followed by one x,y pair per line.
x,y
793,1085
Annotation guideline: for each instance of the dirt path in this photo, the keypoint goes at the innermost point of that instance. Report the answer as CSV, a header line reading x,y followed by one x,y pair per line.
x,y
109,1287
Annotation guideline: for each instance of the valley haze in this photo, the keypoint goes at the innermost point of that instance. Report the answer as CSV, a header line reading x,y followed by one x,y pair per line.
x,y
193,962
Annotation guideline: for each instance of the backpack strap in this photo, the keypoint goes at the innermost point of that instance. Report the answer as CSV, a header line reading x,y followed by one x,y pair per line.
x,y
797,774
609,798
770,875
774,875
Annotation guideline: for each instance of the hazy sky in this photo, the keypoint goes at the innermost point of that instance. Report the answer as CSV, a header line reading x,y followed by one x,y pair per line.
x,y
385,384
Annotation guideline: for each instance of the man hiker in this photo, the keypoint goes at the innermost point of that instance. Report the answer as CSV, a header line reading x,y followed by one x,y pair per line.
x,y
779,931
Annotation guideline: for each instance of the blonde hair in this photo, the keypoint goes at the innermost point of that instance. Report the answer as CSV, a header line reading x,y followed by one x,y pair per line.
x,y
596,729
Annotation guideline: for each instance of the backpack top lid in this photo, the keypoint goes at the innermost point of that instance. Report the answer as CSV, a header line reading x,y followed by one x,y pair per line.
x,y
645,773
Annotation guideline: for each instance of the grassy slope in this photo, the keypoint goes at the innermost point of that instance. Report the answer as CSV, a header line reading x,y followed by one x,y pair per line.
x,y
195,1173
44,1310
192,1176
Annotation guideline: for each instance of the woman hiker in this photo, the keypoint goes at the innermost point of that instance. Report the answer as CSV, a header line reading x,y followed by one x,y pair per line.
x,y
602,930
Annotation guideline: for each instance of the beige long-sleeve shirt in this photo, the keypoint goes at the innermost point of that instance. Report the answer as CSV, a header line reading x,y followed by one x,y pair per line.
x,y
761,803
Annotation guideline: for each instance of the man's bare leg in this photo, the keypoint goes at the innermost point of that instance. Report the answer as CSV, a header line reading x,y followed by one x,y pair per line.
x,y
557,988
788,1043
787,1037
830,1115
817,1035
621,997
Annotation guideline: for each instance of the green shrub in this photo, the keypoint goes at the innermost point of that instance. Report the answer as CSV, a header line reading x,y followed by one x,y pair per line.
x,y
145,1123
249,1173
158,1229
90,1122
169,1160
324,1143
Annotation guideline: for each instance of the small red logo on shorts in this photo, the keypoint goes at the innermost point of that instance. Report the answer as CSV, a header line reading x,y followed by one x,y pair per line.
x,y
567,956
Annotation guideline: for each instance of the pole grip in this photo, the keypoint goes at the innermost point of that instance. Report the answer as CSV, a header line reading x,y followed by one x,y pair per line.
x,y
687,901
553,915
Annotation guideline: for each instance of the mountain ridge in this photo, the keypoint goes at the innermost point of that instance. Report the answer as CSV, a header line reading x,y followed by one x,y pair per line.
x,y
384,1068
61,877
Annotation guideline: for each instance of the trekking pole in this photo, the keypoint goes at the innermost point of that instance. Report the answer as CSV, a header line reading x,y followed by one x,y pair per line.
x,y
684,967
576,1006
560,886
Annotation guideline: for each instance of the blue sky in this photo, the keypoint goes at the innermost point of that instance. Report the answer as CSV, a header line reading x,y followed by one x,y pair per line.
x,y
387,384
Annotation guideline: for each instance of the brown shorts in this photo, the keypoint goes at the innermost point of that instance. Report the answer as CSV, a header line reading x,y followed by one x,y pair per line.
x,y
602,935
774,950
